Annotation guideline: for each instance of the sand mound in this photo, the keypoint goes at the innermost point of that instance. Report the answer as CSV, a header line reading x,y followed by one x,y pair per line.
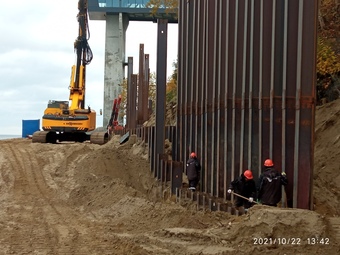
x,y
326,159
73,198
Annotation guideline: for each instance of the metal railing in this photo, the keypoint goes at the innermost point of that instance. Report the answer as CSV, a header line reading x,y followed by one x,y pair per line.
x,y
125,3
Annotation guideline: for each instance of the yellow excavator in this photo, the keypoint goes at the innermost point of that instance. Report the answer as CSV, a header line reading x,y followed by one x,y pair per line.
x,y
64,122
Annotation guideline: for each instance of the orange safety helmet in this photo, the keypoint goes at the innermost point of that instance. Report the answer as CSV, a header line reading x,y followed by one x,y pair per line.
x,y
248,174
193,155
268,162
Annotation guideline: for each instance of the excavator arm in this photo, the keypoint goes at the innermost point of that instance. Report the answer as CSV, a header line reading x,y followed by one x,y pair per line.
x,y
84,57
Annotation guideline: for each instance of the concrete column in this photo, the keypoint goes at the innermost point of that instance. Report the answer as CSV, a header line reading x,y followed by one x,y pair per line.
x,y
116,26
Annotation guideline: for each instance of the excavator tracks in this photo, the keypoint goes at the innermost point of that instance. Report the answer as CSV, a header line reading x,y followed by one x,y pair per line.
x,y
99,138
53,137
40,137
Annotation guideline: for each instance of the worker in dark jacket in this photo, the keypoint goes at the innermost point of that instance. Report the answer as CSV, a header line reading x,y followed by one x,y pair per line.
x,y
270,184
193,171
245,186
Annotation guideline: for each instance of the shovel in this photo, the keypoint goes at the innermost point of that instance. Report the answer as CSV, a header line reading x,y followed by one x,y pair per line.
x,y
243,197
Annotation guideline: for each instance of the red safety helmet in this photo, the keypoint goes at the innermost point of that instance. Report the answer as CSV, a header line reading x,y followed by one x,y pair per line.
x,y
193,155
248,174
268,162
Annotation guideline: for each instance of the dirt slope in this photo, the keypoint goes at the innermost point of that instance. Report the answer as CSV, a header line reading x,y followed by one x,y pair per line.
x,y
327,159
88,199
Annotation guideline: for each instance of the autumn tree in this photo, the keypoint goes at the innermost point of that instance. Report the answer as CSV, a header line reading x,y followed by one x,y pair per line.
x,y
171,86
123,103
328,51
328,62
170,5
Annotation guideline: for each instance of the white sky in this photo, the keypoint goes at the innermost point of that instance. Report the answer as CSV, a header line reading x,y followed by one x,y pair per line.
x,y
36,55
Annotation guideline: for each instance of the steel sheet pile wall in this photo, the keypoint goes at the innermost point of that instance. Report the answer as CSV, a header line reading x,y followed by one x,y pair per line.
x,y
246,90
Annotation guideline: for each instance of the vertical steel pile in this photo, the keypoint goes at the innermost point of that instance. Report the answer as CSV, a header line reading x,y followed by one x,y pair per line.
x,y
131,115
137,94
162,45
246,90
141,86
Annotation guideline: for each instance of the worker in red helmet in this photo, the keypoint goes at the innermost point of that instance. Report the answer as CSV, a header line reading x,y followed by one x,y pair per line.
x,y
245,186
193,168
270,183
268,163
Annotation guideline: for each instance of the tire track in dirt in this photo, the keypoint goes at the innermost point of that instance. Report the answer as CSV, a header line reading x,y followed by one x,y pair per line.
x,y
56,221
29,219
20,179
39,220
32,191
6,175
335,224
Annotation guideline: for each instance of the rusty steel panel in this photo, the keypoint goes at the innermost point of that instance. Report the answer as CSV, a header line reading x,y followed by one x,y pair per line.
x,y
132,95
180,93
162,37
146,88
141,86
161,169
176,175
246,82
129,95
151,143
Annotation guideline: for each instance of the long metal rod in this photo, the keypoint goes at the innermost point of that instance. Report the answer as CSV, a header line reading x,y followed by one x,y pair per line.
x,y
244,68
180,107
129,96
204,81
213,181
162,37
260,86
234,94
271,128
226,103
250,99
186,88
284,89
297,106
198,124
141,86
193,85
246,198
219,152
146,87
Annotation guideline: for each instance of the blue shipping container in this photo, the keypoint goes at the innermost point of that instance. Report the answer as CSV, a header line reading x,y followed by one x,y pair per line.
x,y
29,127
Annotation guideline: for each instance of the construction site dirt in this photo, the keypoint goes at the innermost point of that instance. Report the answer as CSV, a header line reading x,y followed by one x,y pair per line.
x,y
82,198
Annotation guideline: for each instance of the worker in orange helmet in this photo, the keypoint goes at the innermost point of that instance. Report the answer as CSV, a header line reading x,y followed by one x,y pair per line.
x,y
270,183
193,171
245,186
268,163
